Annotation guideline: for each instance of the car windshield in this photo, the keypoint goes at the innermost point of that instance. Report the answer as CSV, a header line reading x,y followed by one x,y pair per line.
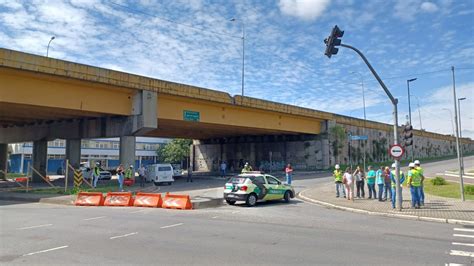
x,y
237,180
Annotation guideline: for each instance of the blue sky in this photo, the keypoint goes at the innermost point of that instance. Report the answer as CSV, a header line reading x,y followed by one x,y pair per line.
x,y
193,42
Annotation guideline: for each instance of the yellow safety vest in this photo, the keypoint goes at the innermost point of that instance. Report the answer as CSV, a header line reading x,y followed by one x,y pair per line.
x,y
337,176
415,178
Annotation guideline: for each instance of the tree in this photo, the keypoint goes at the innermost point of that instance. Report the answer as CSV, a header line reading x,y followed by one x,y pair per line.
x,y
175,151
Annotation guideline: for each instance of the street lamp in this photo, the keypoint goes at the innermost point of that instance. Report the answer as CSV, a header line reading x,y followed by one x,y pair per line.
x,y
47,49
419,109
363,102
409,112
460,133
243,53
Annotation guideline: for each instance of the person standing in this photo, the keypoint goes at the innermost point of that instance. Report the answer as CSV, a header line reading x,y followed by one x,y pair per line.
x,y
414,183
380,180
421,173
95,174
359,179
223,169
141,174
338,180
129,173
120,176
247,168
347,180
190,174
387,186
289,173
371,183
394,184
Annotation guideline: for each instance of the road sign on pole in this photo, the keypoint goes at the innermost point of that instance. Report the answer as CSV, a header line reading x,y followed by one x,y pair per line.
x,y
396,151
362,137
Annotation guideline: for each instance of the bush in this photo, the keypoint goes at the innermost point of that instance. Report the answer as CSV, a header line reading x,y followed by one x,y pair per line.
x,y
438,181
469,189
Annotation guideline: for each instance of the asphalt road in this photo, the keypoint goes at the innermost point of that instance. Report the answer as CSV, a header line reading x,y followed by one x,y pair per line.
x,y
297,233
436,168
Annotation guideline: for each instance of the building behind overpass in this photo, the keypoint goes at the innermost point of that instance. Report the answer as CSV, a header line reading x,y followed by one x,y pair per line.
x,y
105,151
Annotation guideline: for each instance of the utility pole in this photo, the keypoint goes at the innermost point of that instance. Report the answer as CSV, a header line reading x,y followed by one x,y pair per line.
x,y
461,181
409,114
460,133
333,41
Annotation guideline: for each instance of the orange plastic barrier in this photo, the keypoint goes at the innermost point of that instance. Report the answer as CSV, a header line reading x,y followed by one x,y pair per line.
x,y
89,199
118,199
147,200
21,179
172,201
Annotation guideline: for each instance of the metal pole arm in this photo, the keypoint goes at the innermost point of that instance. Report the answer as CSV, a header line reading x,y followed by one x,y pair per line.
x,y
394,101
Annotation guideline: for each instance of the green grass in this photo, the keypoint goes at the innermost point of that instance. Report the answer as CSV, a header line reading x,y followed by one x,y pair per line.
x,y
450,190
14,175
112,187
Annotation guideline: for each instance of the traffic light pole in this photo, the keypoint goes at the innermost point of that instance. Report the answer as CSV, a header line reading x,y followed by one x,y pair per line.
x,y
395,122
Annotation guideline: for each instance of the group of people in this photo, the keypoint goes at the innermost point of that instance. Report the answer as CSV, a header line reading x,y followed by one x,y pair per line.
x,y
384,179
123,174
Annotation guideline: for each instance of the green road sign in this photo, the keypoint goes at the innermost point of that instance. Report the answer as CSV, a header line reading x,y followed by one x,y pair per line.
x,y
191,116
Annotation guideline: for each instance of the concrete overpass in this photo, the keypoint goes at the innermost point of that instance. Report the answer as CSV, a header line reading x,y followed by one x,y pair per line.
x,y
44,98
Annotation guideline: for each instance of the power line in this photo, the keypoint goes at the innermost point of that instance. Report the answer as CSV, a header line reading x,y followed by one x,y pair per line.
x,y
175,22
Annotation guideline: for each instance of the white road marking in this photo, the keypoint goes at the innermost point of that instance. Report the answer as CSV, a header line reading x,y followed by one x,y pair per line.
x,y
461,253
94,218
35,226
454,264
215,217
173,225
234,212
471,236
464,229
131,234
43,251
463,244
140,211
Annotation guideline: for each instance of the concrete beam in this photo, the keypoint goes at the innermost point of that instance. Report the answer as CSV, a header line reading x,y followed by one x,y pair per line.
x,y
144,119
3,160
127,151
40,159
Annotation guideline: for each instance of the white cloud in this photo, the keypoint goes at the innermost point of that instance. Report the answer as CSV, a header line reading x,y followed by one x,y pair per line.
x,y
429,7
406,9
304,9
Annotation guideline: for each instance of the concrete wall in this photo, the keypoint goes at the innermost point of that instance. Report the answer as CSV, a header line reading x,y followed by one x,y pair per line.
x,y
426,145
268,156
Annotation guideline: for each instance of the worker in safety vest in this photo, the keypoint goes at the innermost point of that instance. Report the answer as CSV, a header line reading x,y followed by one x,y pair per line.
x,y
421,173
95,174
338,180
414,182
129,173
394,184
247,168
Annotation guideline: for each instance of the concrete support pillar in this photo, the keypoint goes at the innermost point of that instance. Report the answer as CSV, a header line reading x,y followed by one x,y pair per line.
x,y
3,160
127,151
73,154
40,159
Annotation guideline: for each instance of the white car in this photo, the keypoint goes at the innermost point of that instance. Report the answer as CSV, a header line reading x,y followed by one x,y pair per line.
x,y
177,171
160,174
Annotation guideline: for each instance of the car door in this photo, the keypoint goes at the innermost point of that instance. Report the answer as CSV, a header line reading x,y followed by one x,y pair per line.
x,y
275,188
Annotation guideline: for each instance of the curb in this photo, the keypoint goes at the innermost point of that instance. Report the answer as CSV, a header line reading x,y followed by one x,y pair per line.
x,y
385,214
208,203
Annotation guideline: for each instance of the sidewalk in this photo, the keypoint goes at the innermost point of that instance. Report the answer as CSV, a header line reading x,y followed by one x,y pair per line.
x,y
436,208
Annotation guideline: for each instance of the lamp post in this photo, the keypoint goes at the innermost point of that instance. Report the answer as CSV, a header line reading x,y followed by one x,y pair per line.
x,y
243,53
409,112
363,102
47,49
461,183
460,133
419,110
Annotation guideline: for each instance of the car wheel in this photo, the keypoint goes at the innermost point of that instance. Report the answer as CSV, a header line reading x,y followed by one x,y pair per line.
x,y
251,200
169,183
287,196
157,183
230,202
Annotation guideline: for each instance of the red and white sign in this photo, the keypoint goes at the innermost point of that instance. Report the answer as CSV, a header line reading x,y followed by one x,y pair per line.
x,y
396,151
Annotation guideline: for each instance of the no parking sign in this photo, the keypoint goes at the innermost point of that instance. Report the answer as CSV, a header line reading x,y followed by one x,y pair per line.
x,y
396,151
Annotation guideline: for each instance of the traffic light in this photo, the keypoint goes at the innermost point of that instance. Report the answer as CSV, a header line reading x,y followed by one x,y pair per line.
x,y
332,41
408,135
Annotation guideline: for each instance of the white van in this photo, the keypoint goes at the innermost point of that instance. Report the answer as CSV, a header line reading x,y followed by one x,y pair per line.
x,y
159,173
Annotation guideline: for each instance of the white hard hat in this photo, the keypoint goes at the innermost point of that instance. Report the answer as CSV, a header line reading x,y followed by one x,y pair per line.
x,y
412,165
131,166
417,162
394,165
97,163
337,166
